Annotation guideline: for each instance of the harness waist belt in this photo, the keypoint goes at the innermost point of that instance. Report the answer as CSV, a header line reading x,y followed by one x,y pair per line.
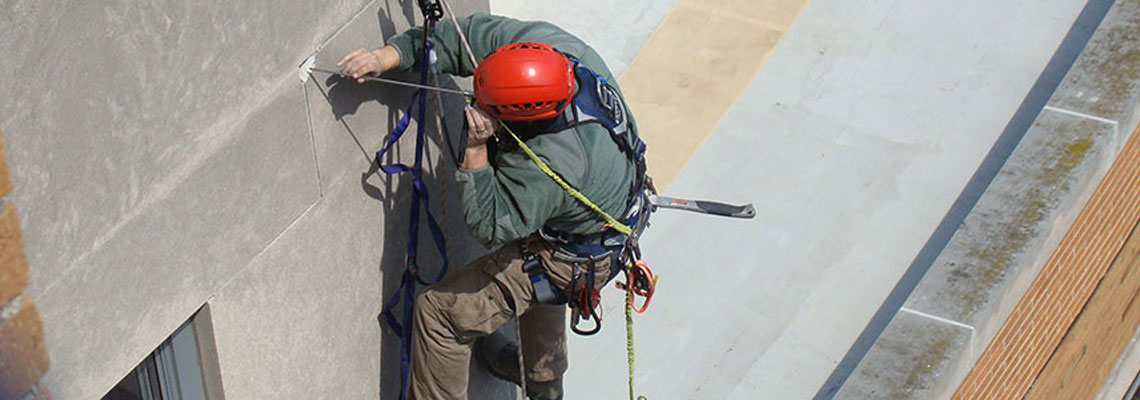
x,y
599,243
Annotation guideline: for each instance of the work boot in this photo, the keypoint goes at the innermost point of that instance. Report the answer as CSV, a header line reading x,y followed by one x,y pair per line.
x,y
500,356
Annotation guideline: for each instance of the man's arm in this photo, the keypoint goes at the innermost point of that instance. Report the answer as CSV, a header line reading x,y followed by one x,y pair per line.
x,y
515,199
403,51
484,31
508,202
363,62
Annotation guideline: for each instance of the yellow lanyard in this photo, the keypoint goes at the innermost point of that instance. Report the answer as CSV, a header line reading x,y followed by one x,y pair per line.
x,y
611,221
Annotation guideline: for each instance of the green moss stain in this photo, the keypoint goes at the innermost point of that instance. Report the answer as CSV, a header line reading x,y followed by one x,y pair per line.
x,y
925,362
993,258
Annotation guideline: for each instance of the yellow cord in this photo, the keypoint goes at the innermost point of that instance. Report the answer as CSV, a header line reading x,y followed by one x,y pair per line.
x,y
613,222
629,324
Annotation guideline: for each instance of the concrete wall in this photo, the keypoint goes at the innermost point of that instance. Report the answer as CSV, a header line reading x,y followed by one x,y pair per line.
x,y
165,155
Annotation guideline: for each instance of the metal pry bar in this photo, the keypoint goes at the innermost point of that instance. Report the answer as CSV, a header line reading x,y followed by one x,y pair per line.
x,y
307,68
704,206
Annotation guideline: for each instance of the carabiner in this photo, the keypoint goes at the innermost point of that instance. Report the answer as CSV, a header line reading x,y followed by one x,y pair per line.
x,y
639,279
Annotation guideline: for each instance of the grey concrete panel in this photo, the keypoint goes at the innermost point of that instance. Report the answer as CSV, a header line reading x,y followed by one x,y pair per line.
x,y
1105,80
158,268
1033,199
901,362
151,176
107,104
344,258
320,325
853,141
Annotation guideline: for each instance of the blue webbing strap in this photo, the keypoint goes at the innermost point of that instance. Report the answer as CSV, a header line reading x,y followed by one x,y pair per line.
x,y
407,289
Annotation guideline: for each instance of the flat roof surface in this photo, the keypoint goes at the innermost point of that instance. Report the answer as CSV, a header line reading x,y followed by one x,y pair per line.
x,y
853,140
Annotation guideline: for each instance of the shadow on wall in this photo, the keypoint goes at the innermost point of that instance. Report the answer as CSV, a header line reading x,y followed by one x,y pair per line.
x,y
345,98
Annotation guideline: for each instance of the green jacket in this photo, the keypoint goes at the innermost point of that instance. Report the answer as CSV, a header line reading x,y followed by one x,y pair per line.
x,y
512,198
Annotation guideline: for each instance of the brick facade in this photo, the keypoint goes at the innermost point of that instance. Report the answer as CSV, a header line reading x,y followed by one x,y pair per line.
x,y
13,266
1046,312
23,353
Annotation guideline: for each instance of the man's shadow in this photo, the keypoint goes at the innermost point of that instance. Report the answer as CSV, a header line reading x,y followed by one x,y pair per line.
x,y
394,193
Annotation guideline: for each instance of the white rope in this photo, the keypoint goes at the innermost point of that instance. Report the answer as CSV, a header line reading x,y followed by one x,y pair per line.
x,y
522,365
462,37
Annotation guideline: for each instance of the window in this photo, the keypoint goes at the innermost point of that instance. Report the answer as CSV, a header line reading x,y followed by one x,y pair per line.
x,y
183,367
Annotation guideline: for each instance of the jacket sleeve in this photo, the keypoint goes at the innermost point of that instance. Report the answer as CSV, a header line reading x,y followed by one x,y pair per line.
x,y
486,33
515,198
510,201
452,58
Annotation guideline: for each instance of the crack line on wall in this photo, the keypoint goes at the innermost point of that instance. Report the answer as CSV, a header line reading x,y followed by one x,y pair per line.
x,y
312,141
269,245
343,26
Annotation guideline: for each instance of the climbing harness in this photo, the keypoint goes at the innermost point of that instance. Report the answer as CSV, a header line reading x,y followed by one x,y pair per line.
x,y
597,102
588,298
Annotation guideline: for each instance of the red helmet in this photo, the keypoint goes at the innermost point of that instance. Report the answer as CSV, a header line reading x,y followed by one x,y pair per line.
x,y
524,81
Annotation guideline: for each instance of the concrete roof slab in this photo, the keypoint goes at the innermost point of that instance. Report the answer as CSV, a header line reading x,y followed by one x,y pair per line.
x,y
853,141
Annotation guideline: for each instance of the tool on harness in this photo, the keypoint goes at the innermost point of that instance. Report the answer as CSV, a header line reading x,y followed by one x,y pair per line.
x,y
545,292
586,302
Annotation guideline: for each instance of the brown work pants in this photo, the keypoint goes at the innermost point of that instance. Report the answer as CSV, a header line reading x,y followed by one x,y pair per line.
x,y
475,301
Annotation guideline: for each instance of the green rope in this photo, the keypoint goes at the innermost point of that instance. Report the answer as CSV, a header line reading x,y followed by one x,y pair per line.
x,y
629,326
614,223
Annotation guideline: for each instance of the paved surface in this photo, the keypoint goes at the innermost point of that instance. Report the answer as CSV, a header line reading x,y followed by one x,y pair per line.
x,y
853,140
617,31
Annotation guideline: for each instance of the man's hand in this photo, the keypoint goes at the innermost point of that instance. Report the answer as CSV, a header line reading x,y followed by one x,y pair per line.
x,y
480,128
363,62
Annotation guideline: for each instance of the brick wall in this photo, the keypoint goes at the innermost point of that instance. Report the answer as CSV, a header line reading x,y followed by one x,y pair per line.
x,y
23,354
1045,313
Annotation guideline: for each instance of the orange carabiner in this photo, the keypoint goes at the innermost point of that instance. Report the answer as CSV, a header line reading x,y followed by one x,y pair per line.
x,y
640,279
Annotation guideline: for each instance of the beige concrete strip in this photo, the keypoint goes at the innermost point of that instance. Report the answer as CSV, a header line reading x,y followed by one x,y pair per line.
x,y
693,70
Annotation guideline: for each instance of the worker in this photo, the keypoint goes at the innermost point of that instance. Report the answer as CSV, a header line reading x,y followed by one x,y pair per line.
x,y
558,96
